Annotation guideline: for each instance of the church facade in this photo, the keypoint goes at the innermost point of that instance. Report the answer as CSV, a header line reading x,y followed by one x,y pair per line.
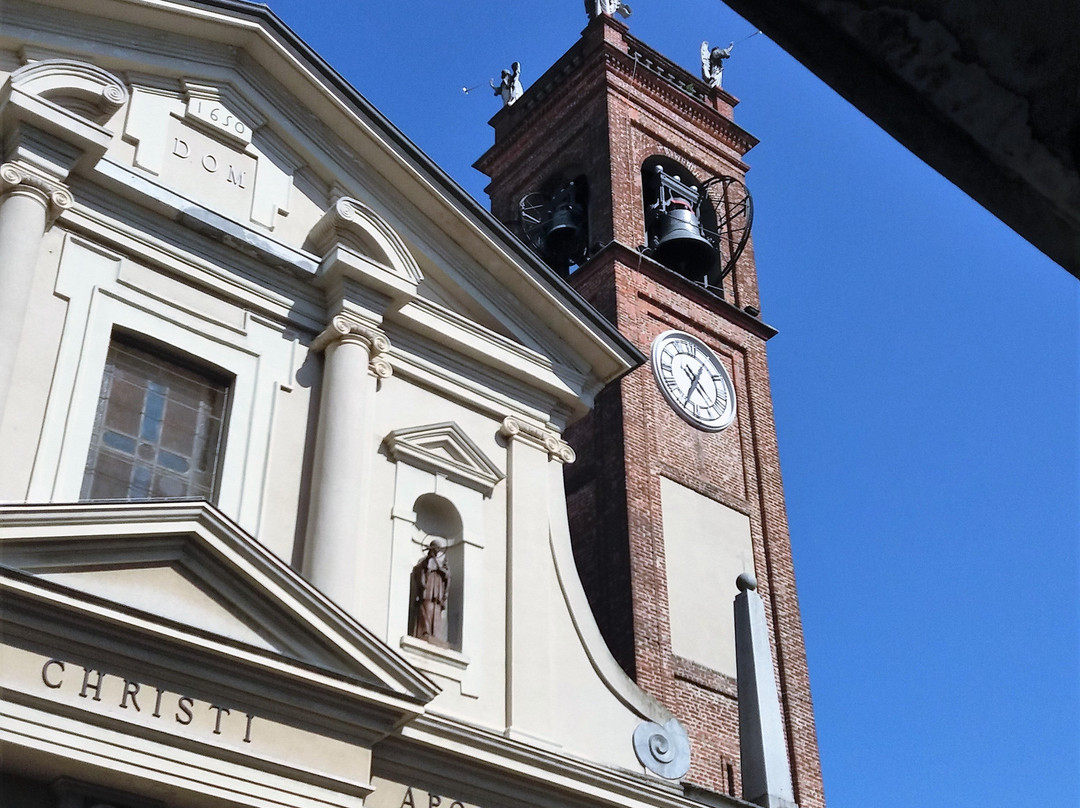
x,y
302,446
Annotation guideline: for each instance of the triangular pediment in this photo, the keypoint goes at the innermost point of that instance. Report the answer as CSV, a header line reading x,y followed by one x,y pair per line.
x,y
445,449
168,589
188,569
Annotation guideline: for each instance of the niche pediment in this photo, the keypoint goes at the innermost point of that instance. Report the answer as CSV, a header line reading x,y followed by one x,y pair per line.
x,y
445,449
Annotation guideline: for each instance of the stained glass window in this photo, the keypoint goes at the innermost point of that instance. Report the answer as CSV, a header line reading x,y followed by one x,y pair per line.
x,y
158,430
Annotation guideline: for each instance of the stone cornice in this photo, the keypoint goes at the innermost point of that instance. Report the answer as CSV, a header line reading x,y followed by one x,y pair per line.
x,y
528,769
332,652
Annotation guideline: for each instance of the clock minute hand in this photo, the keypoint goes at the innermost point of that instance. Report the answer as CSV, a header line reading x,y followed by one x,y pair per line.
x,y
695,380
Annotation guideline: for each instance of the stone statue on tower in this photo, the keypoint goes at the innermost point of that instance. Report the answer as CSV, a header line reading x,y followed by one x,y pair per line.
x,y
712,63
510,85
594,8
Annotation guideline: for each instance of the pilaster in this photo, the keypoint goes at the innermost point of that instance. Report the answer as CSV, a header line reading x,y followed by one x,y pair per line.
x,y
52,116
529,635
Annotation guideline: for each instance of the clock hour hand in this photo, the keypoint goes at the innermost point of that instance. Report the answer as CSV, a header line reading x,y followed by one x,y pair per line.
x,y
694,381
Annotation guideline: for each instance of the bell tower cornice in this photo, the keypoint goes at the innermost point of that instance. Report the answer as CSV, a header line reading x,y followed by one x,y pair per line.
x,y
549,153
625,59
615,252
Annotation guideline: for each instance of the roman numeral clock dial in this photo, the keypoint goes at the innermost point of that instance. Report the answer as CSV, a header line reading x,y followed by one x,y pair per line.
x,y
693,380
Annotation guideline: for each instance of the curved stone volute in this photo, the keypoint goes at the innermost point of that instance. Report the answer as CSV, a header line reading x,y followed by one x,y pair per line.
x,y
78,87
351,223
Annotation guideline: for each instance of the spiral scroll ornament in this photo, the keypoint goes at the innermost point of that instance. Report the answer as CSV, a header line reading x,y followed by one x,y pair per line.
x,y
380,368
343,328
114,95
10,174
663,749
345,210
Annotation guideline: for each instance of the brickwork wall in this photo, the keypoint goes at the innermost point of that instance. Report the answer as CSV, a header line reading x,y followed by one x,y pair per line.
x,y
738,467
596,497
603,109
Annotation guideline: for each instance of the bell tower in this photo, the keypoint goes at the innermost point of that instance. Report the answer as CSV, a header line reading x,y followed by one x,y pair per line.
x,y
626,173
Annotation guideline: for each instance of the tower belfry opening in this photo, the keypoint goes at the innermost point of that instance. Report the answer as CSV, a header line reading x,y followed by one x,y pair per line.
x,y
555,223
676,213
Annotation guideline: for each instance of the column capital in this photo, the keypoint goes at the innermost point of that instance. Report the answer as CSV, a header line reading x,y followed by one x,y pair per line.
x,y
550,441
55,196
344,329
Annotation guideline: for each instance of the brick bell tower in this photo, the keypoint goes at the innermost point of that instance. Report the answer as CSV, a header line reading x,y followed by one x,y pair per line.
x,y
625,172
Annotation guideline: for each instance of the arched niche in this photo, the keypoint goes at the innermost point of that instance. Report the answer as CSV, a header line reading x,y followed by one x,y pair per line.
x,y
443,486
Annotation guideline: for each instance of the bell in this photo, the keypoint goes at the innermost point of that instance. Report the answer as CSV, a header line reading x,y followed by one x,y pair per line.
x,y
677,241
565,230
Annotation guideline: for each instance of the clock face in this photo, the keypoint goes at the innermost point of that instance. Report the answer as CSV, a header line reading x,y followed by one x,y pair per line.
x,y
693,380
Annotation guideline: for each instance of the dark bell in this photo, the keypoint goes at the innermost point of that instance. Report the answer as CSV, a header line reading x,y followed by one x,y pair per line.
x,y
566,229
678,244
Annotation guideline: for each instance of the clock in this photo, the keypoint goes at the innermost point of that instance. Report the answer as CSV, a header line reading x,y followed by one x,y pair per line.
x,y
693,380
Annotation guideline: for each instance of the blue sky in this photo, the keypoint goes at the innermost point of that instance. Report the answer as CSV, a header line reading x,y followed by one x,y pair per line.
x,y
926,385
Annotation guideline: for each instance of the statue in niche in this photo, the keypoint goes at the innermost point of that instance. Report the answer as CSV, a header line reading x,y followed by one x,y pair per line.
x,y
510,86
712,63
430,587
594,8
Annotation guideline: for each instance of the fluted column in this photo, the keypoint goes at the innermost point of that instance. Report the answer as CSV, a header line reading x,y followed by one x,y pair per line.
x,y
29,203
344,446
